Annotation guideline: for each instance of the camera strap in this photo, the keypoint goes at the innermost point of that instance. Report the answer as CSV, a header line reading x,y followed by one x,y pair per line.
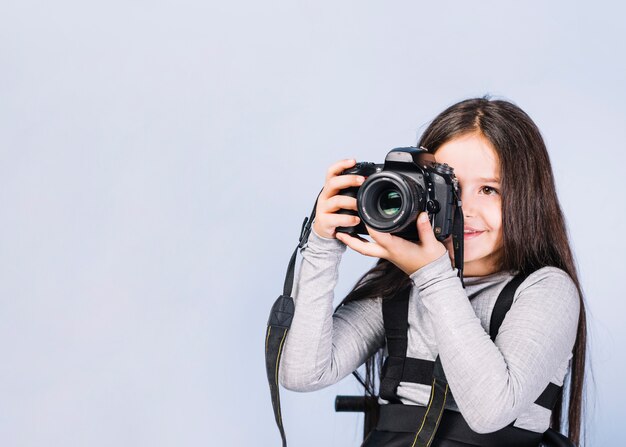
x,y
279,323
457,235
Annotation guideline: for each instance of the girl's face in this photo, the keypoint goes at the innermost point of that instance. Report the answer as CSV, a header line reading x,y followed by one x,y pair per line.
x,y
477,168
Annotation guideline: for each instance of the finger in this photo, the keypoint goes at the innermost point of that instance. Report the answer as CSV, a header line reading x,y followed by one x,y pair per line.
x,y
424,229
341,220
379,237
359,237
336,184
339,167
340,202
325,224
360,245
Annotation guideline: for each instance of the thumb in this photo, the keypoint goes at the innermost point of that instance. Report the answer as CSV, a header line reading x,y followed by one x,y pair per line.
x,y
424,229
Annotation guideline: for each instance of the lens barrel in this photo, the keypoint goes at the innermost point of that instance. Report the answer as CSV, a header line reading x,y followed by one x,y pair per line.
x,y
389,201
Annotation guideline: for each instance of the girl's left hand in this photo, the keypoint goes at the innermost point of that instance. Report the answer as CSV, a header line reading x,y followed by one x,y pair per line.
x,y
407,255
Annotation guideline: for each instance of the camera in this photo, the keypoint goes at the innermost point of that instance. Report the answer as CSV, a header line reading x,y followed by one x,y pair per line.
x,y
410,181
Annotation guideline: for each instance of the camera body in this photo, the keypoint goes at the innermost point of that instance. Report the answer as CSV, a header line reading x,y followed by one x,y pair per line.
x,y
410,181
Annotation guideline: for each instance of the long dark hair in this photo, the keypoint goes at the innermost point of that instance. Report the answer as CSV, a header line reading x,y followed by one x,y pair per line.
x,y
525,172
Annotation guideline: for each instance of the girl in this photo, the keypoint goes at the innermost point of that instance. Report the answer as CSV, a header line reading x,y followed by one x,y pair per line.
x,y
513,224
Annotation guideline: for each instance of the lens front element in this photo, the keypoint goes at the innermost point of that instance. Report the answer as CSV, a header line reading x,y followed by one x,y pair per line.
x,y
390,203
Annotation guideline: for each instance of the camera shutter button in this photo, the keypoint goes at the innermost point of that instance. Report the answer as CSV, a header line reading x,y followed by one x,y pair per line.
x,y
432,206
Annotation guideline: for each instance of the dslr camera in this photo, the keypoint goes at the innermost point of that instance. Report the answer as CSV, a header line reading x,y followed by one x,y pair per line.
x,y
394,193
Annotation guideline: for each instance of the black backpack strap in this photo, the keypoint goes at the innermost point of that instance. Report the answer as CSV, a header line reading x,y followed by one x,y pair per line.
x,y
400,368
550,395
396,322
503,304
279,323
397,366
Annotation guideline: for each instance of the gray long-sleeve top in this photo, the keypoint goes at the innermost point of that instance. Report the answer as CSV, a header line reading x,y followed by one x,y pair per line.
x,y
493,384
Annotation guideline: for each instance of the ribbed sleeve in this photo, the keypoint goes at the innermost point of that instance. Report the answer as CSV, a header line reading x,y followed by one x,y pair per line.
x,y
322,348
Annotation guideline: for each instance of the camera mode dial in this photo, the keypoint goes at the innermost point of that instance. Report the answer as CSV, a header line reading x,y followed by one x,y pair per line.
x,y
443,169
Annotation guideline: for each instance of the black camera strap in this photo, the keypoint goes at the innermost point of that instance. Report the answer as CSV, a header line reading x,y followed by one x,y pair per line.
x,y
279,323
458,234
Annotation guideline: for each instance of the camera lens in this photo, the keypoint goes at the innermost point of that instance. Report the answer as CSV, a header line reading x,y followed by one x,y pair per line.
x,y
390,203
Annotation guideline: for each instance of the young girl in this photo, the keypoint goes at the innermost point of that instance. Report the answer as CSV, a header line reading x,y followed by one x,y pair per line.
x,y
513,224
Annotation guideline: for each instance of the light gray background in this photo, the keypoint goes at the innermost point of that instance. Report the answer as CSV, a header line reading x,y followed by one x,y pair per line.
x,y
156,160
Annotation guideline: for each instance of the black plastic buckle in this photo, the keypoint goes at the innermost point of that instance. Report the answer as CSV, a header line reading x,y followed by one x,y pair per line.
x,y
304,233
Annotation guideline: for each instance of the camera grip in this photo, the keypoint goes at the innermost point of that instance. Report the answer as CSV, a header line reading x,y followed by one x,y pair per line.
x,y
365,169
357,229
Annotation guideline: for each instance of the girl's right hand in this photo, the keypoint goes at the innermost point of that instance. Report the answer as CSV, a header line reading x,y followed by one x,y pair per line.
x,y
326,219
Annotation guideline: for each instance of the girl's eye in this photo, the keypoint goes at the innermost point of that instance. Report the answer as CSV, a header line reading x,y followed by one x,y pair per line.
x,y
488,190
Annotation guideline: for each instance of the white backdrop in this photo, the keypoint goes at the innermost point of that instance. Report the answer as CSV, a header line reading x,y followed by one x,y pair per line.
x,y
156,161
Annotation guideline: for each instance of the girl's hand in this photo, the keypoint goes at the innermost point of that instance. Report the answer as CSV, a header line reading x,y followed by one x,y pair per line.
x,y
326,219
407,255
